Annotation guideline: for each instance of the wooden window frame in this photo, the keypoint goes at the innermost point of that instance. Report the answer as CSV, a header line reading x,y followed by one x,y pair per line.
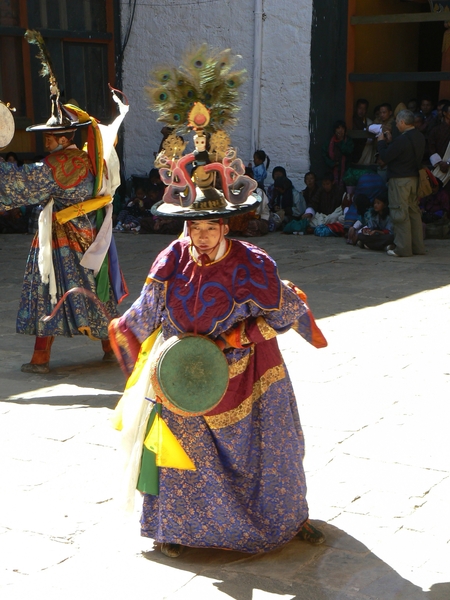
x,y
107,38
403,76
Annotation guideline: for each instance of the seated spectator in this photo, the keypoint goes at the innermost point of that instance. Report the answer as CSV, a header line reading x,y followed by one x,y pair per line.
x,y
147,220
259,225
326,206
311,187
155,182
253,223
418,120
168,226
276,172
413,105
439,107
12,157
430,122
362,206
259,168
370,184
378,234
439,146
429,115
376,114
129,219
364,149
14,220
435,207
283,200
337,152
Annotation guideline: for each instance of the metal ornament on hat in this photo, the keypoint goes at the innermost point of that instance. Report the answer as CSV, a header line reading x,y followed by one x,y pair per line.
x,y
201,97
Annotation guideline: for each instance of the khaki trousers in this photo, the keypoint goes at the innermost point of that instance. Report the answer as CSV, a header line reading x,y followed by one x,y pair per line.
x,y
406,216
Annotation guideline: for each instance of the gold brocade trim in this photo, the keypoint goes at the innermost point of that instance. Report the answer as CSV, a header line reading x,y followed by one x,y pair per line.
x,y
265,330
244,339
87,331
69,167
238,367
259,388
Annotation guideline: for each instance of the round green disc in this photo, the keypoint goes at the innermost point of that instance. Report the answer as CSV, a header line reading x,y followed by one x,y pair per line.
x,y
193,374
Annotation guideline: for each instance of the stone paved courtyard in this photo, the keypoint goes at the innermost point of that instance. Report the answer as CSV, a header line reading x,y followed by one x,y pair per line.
x,y
375,411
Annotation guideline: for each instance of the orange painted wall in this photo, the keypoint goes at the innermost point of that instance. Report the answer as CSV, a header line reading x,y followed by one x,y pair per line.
x,y
384,48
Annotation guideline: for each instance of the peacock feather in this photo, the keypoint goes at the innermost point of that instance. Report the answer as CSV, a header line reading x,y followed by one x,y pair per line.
x,y
206,76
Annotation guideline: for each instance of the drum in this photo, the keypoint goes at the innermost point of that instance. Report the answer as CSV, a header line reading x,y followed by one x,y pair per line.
x,y
189,375
7,125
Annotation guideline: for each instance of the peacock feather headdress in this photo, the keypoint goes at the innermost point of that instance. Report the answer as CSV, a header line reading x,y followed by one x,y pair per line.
x,y
201,96
206,77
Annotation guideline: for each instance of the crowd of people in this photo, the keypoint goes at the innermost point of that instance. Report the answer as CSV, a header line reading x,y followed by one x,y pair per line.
x,y
365,167
398,160
385,182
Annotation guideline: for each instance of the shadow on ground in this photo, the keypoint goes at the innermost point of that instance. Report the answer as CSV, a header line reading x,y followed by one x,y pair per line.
x,y
341,569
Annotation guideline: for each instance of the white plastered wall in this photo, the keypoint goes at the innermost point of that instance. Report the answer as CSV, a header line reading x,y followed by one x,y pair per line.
x,y
163,29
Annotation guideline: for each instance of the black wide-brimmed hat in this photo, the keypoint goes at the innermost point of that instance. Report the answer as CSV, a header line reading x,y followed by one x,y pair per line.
x,y
65,122
164,210
62,120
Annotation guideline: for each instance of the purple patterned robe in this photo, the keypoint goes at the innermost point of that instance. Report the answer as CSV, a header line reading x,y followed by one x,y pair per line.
x,y
248,492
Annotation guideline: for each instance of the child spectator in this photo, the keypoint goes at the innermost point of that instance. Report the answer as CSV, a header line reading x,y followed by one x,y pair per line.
x,y
379,232
325,207
129,219
362,206
311,188
276,172
259,168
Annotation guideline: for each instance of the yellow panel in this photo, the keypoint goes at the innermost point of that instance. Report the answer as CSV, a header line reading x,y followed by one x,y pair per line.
x,y
386,48
21,142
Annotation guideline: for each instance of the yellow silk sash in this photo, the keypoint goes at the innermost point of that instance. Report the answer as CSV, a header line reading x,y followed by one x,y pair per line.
x,y
82,208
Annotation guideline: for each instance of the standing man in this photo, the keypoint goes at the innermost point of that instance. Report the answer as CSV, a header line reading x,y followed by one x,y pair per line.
x,y
403,157
363,153
68,251
386,118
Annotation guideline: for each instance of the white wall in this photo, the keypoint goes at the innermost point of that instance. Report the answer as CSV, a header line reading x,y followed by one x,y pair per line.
x,y
161,32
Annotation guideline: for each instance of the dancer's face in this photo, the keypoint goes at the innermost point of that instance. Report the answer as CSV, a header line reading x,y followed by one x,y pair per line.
x,y
207,235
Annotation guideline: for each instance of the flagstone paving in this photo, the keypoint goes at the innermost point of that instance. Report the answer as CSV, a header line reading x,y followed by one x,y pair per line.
x,y
374,407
